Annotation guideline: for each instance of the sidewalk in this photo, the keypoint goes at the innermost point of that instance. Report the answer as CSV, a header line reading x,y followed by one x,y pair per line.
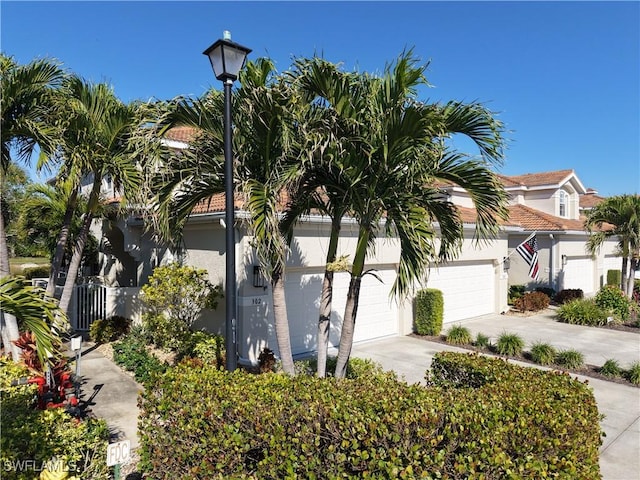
x,y
110,394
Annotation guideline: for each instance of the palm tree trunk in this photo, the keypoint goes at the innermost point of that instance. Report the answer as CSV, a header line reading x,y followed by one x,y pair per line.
x,y
78,249
633,264
624,276
351,308
61,245
74,266
282,322
326,299
8,323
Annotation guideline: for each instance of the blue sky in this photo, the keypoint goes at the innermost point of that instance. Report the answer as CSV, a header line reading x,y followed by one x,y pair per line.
x,y
563,76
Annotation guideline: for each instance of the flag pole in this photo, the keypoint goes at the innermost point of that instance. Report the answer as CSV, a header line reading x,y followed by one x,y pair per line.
x,y
514,250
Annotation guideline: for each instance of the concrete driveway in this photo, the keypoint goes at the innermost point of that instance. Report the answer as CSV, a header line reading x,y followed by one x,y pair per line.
x,y
620,404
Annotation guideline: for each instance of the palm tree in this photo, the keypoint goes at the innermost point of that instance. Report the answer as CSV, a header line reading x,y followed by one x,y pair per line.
x,y
264,168
397,140
36,313
618,217
97,143
27,98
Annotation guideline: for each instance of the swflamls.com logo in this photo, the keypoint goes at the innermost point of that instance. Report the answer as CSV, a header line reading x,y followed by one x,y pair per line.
x,y
32,465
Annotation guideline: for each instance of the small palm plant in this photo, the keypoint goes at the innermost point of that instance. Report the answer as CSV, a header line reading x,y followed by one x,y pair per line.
x,y
611,368
633,374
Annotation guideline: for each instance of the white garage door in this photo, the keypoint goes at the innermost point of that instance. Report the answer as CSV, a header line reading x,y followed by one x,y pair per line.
x,y
468,289
578,273
377,315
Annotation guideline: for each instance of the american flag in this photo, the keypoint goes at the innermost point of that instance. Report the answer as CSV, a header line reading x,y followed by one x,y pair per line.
x,y
529,251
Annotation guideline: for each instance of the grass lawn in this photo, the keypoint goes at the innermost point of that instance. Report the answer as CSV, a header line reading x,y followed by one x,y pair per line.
x,y
15,263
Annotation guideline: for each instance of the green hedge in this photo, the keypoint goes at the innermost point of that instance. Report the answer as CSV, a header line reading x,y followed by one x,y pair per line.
x,y
429,305
516,423
41,271
614,277
32,438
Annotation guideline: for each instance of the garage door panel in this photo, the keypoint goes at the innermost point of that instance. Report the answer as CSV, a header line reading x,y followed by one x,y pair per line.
x,y
376,316
578,273
468,289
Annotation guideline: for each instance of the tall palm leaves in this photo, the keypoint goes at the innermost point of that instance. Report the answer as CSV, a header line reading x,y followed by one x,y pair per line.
x,y
622,214
388,155
27,100
97,143
264,166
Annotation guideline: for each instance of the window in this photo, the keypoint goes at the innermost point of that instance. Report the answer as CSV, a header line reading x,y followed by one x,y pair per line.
x,y
563,203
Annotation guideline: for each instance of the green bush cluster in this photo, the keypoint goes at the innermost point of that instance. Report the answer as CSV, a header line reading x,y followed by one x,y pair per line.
x,y
40,436
548,291
518,423
458,335
515,292
41,271
614,277
357,367
543,353
532,302
429,312
582,311
611,299
568,294
110,329
509,344
207,347
132,355
611,368
570,359
633,374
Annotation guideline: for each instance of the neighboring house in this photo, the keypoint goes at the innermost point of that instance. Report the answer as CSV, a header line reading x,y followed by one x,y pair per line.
x,y
476,283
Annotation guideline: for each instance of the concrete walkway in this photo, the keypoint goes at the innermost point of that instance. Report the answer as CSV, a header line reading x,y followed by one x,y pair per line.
x,y
109,393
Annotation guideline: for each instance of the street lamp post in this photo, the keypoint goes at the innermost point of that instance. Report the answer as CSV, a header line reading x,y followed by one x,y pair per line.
x,y
227,58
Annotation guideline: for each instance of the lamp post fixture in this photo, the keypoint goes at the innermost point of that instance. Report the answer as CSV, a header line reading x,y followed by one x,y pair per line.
x,y
227,58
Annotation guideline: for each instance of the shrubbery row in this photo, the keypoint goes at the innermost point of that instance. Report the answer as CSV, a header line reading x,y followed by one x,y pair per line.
x,y
480,417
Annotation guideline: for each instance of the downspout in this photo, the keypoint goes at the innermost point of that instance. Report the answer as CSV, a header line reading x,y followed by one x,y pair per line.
x,y
552,269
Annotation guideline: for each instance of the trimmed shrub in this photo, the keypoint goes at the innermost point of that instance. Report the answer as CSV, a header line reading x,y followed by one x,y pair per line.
x,y
568,294
509,344
109,330
482,341
611,368
458,335
614,277
429,305
41,271
525,422
570,359
32,438
633,374
582,312
611,299
356,367
542,353
532,302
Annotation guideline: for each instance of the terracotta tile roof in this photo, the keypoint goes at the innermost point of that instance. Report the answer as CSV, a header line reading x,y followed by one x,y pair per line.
x,y
181,134
215,204
590,200
536,179
531,219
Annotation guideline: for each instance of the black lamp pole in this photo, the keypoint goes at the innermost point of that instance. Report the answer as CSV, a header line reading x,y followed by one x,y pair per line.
x,y
227,58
